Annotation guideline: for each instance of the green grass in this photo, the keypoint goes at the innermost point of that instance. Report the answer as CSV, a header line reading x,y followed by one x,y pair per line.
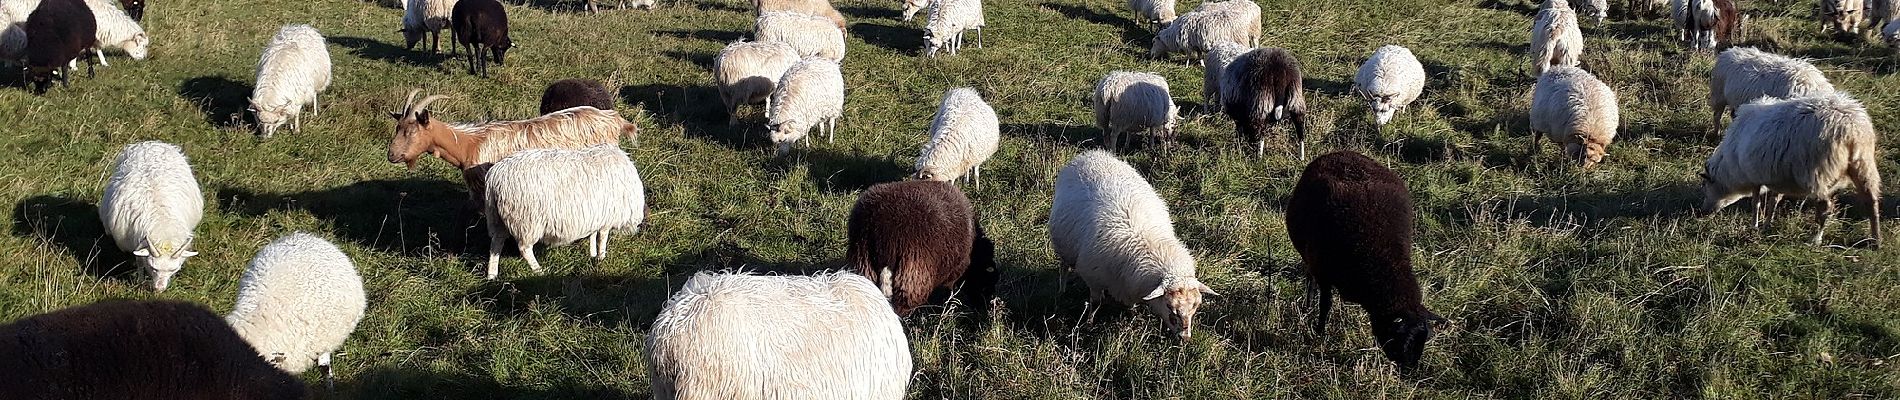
x,y
1559,283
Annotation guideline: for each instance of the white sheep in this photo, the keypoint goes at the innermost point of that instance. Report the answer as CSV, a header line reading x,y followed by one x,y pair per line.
x,y
810,94
558,196
1743,74
948,20
1695,22
962,136
1108,225
733,335
1842,16
116,30
1390,80
748,71
1804,147
293,69
425,19
298,300
1211,23
1577,111
1595,9
1153,11
911,7
1213,69
151,206
811,35
1128,102
1555,38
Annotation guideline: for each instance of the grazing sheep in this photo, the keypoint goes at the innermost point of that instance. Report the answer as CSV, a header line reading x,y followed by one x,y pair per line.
x,y
558,196
116,30
1390,80
1843,17
1351,220
1743,74
810,35
1577,111
1109,226
569,93
151,206
829,336
1595,9
481,26
1555,38
1212,23
911,7
120,349
299,299
1697,22
1213,69
1265,90
1128,102
294,68
913,238
962,136
593,6
820,8
747,72
473,147
948,20
426,19
1153,11
58,33
134,9
810,94
1804,147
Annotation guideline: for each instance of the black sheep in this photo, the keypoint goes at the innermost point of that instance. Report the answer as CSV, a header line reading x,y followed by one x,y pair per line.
x,y
913,238
135,350
57,33
1268,90
569,93
1351,220
481,25
134,9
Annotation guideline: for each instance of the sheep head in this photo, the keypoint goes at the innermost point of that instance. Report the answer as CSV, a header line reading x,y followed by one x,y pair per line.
x,y
784,134
269,117
1403,335
137,45
933,42
1585,153
1716,196
412,126
163,259
1176,300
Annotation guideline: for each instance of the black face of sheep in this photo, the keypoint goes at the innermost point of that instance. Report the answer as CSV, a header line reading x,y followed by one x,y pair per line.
x,y
134,9
1403,338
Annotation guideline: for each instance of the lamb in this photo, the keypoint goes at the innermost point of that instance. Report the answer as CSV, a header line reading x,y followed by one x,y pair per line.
x,y
119,349
962,136
558,196
1231,21
299,299
911,7
810,94
1128,102
1351,220
1743,74
913,238
1577,111
1390,80
1805,147
294,68
820,8
1843,17
151,206
569,93
810,35
1153,11
1263,88
116,30
58,33
482,26
1108,225
748,72
134,9
829,336
948,20
426,19
1555,38
473,147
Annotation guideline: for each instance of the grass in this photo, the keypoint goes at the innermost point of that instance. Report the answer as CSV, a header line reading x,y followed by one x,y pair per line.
x,y
1559,283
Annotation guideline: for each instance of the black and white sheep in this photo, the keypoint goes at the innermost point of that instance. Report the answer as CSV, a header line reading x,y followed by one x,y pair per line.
x,y
748,72
294,68
151,206
569,93
1266,89
948,20
1110,227
134,9
1576,111
1556,40
426,19
135,350
1743,74
963,135
1390,80
558,196
481,26
811,94
1128,102
1804,147
58,32
299,299
810,35
913,239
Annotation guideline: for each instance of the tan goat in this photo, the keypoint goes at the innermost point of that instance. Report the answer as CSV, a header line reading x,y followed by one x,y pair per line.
x,y
474,147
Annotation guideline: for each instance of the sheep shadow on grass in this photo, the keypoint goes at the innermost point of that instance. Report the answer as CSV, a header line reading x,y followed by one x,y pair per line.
x,y
406,216
702,60
697,109
840,171
605,299
388,379
862,12
1055,131
390,53
897,39
715,36
73,225
1131,31
222,100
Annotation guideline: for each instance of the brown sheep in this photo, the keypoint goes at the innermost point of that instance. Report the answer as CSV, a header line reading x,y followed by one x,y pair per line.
x,y
135,349
913,238
570,93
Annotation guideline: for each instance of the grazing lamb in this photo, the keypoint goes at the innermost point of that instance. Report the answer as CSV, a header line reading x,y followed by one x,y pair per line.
x,y
1213,69
1351,220
1109,226
134,9
1555,38
473,147
1843,17
294,68
914,238
810,94
1390,80
481,26
948,20
1743,74
58,33
569,93
116,30
1212,23
1128,102
135,350
558,196
747,73
811,36
1153,11
299,299
1577,111
426,19
962,136
1263,88
1804,147
911,7
151,206
820,8
829,336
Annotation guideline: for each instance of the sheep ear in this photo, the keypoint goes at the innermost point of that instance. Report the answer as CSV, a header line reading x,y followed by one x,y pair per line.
x,y
187,253
1208,291
143,252
1159,290
422,117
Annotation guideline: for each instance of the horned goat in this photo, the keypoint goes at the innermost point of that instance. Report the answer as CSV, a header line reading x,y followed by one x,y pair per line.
x,y
473,147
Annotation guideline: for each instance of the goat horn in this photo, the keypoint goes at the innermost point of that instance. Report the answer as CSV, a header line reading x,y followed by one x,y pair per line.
x,y
424,104
411,100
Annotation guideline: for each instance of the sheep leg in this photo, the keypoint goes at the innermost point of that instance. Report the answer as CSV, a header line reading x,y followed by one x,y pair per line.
x,y
1325,308
527,252
314,107
593,246
1531,152
296,123
102,56
603,244
979,37
497,237
1821,216
1866,177
329,378
976,176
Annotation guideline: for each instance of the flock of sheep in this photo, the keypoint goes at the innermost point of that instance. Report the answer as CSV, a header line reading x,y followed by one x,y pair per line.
x,y
563,177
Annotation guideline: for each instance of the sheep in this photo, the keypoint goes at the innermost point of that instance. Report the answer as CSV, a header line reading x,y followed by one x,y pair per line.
x,y
58,33
1697,22
913,238
747,73
473,147
1351,220
810,94
1389,80
1127,102
1805,147
962,136
828,336
558,196
819,8
593,6
911,7
1153,11
1263,88
151,206
569,93
293,69
948,20
134,9
298,300
1231,21
116,30
481,26
118,349
1595,9
426,19
1843,17
1213,69
1555,38
1109,226
1576,111
1742,74
810,35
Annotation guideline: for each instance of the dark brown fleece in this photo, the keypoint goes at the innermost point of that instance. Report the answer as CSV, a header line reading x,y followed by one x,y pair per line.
x,y
925,232
569,93
135,350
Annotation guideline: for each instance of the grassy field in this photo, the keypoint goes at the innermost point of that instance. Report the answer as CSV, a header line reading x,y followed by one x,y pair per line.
x,y
1559,283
